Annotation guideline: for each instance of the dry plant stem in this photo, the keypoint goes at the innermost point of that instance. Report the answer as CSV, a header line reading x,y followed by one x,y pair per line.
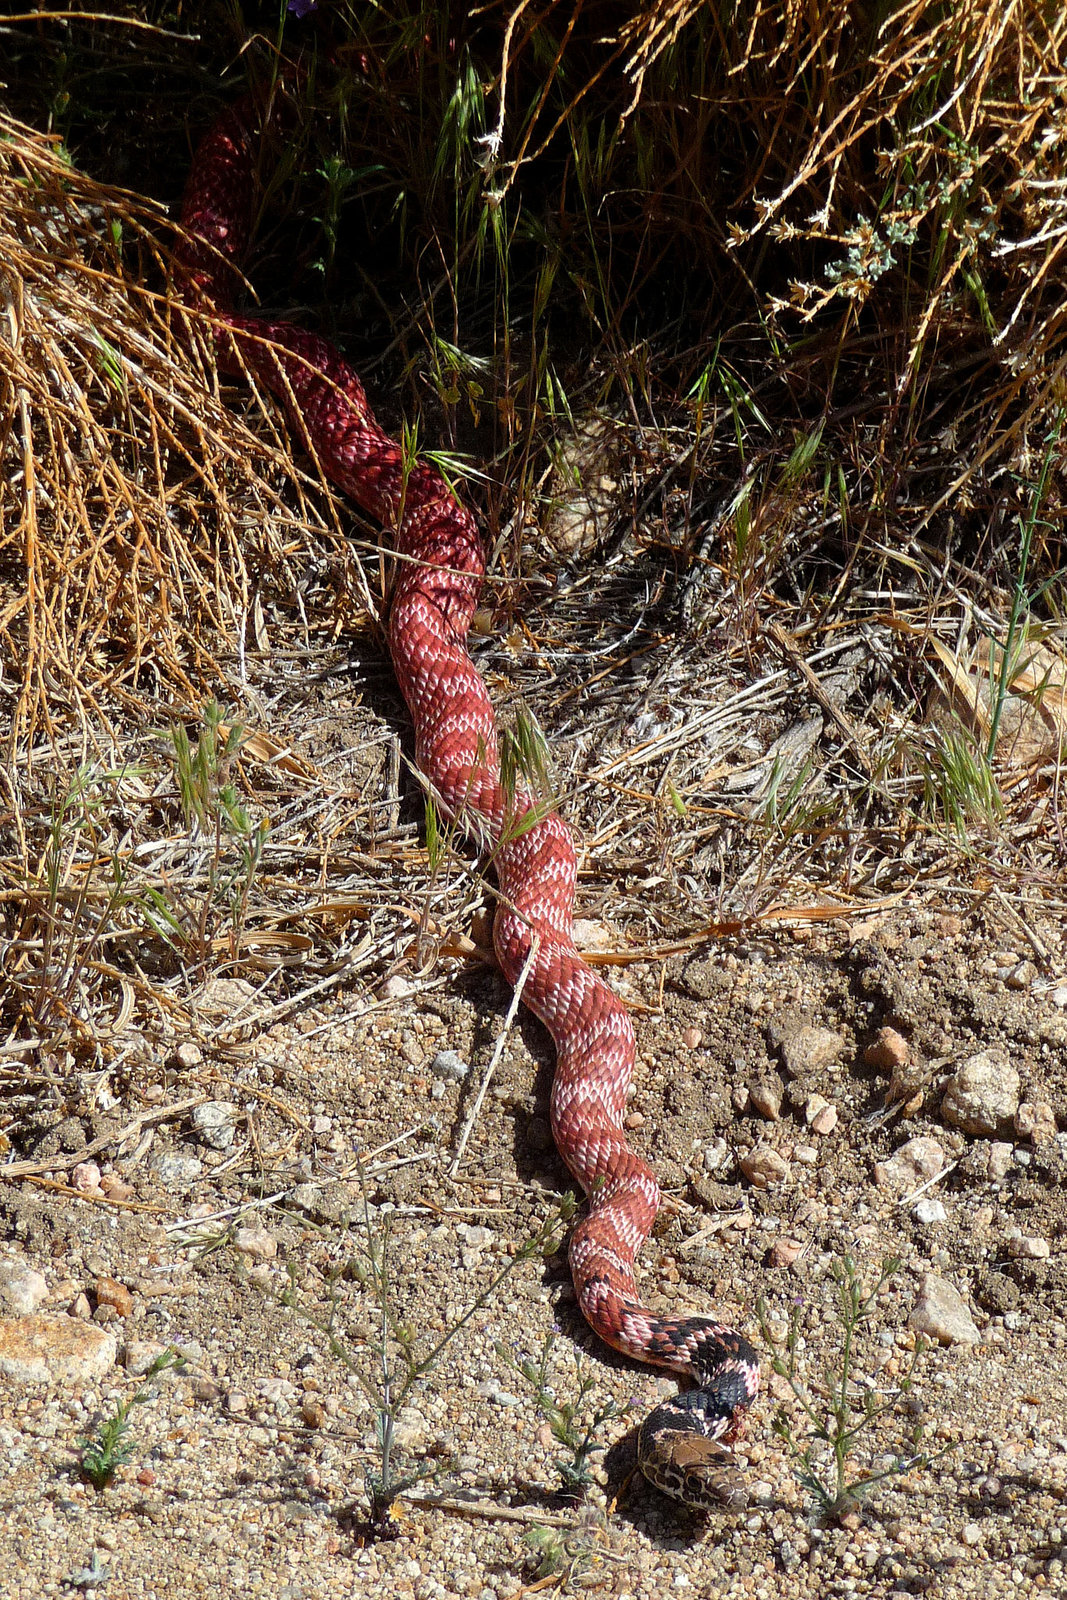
x,y
494,1060
144,1119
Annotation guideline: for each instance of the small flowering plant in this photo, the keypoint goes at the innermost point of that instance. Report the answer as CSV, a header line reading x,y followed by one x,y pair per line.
x,y
573,1423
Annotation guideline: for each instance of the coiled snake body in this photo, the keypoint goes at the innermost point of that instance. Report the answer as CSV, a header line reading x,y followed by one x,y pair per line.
x,y
681,1445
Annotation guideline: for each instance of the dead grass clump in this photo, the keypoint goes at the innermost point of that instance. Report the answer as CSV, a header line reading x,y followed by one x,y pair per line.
x,y
141,522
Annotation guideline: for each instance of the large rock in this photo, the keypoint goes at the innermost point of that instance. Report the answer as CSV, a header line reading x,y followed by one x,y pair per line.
x,y
55,1350
983,1096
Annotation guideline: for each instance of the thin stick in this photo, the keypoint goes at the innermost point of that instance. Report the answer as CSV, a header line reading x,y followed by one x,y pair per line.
x,y
26,1169
498,1051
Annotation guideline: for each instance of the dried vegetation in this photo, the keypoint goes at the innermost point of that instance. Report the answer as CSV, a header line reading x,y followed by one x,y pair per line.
x,y
754,318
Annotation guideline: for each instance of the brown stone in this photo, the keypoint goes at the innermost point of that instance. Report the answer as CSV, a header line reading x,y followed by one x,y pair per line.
x,y
109,1292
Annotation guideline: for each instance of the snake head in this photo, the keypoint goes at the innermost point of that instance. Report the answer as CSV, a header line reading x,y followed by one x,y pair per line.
x,y
694,1469
682,1445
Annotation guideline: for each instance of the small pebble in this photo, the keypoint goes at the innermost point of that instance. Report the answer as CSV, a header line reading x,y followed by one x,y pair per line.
x,y
803,1047
983,1094
763,1166
116,1188
766,1095
888,1051
941,1311
176,1169
255,1241
784,1252
929,1211
1035,1120
313,1412
999,1160
449,1065
821,1117
86,1177
109,1292
397,988
1028,1247
913,1163
716,1156
214,1122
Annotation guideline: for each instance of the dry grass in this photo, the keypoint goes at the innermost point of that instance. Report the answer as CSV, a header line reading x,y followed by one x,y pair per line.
x,y
760,330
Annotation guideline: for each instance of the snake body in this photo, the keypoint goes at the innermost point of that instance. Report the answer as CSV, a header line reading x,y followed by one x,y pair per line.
x,y
682,1444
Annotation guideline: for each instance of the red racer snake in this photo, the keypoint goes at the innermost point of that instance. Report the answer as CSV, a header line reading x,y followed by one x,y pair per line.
x,y
681,1445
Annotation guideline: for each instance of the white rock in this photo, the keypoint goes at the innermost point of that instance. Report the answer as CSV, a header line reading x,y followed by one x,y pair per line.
x,y
999,1159
716,1156
214,1122
928,1212
913,1164
140,1354
278,1391
983,1094
86,1177
397,988
449,1065
412,1431
175,1169
593,936
942,1312
22,1288
475,1235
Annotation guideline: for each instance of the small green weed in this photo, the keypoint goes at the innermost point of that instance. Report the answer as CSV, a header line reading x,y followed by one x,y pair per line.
x,y
959,784
576,1424
1004,659
215,817
562,1553
398,1362
786,808
846,1407
112,1446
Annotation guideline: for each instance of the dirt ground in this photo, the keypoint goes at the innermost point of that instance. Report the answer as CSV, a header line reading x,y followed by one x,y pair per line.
x,y
250,1460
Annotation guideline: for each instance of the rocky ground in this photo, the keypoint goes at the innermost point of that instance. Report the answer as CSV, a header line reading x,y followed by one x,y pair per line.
x,y
890,1088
